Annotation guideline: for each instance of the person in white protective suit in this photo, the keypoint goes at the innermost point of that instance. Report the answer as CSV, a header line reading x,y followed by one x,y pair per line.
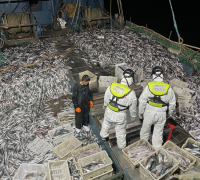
x,y
156,102
117,100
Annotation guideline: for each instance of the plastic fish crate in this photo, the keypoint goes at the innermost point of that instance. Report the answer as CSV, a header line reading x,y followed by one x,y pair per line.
x,y
105,81
182,94
139,75
64,149
25,169
62,138
63,118
188,105
83,149
125,150
192,176
58,170
190,140
178,83
39,146
194,133
147,174
93,78
182,152
96,172
119,69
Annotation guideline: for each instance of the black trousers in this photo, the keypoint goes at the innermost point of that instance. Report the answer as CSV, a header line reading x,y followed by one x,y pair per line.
x,y
82,118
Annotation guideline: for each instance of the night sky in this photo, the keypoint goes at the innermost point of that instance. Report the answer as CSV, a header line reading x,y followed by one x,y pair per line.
x,y
158,17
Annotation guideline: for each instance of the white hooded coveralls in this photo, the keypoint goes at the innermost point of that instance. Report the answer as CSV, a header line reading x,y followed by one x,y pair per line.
x,y
118,118
155,115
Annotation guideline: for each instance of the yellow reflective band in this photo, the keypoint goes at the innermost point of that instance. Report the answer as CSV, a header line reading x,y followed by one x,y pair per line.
x,y
119,90
158,88
155,104
113,108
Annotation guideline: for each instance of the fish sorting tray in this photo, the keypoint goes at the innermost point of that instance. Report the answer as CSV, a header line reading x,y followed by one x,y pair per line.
x,y
66,117
39,146
189,107
178,83
83,149
58,170
192,141
96,172
146,174
26,171
105,81
64,149
195,133
60,138
182,152
93,78
192,176
125,150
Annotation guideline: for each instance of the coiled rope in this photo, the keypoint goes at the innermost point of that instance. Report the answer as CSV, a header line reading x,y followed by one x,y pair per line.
x,y
27,65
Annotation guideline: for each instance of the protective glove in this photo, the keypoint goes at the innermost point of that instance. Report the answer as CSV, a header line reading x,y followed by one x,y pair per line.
x,y
132,118
141,116
91,104
78,110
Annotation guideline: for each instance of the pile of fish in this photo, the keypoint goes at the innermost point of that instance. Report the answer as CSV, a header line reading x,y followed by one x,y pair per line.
x,y
139,152
197,136
73,171
60,132
158,165
193,149
138,50
186,110
23,90
91,166
86,153
184,162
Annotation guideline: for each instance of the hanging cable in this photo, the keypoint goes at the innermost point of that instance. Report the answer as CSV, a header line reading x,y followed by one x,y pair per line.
x,y
175,25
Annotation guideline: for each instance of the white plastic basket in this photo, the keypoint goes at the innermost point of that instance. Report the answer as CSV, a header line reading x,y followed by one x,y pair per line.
x,y
182,152
93,78
178,83
64,117
192,141
39,146
188,176
99,171
83,149
58,170
188,105
63,150
147,174
26,169
195,133
59,139
125,150
105,81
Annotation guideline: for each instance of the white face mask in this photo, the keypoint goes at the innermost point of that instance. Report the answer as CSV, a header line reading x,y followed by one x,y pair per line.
x,y
129,80
159,78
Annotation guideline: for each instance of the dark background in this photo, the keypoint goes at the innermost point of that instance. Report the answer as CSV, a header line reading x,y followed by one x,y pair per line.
x,y
158,17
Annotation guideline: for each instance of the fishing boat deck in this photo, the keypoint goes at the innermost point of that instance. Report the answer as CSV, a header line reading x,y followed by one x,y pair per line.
x,y
121,165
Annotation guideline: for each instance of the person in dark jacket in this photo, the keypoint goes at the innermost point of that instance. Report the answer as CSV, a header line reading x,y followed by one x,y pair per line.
x,y
82,100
